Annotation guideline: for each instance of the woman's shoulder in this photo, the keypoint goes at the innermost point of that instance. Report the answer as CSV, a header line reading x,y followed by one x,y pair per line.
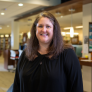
x,y
68,51
69,55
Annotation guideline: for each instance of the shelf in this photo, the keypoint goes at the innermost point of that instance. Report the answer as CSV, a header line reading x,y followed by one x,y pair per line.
x,y
5,42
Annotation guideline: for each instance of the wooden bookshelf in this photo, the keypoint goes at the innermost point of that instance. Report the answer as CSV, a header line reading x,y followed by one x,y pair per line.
x,y
5,42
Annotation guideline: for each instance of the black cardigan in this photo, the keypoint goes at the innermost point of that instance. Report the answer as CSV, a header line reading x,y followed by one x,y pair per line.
x,y
44,75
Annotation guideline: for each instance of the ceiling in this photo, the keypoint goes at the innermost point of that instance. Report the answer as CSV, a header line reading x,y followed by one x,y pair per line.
x,y
13,11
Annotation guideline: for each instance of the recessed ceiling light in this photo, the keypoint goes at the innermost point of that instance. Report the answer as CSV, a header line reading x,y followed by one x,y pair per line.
x,y
0,27
2,35
79,27
6,35
63,33
67,28
20,4
58,13
61,16
7,25
2,13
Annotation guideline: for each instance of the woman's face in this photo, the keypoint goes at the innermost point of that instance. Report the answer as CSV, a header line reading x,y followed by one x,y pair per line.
x,y
44,31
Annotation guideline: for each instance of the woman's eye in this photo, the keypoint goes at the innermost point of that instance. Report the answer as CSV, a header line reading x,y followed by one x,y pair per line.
x,y
48,26
40,26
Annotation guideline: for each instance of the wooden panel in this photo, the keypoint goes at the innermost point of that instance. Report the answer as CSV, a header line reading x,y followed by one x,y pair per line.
x,y
86,63
63,8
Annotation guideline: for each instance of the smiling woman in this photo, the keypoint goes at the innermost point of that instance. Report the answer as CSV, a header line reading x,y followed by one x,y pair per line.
x,y
44,32
47,64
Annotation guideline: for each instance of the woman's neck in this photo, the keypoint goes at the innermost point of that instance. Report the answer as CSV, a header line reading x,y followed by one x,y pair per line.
x,y
43,49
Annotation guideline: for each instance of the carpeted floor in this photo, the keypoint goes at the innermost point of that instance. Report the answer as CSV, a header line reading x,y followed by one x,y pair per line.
x,y
6,78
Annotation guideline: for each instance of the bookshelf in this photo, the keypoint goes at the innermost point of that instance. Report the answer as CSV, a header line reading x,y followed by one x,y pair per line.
x,y
5,42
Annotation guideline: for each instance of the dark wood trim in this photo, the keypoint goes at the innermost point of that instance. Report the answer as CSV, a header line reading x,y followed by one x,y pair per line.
x,y
51,8
85,63
71,4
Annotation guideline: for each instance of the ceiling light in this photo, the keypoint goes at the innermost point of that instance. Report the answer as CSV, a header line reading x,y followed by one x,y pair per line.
x,y
67,28
72,10
20,4
2,13
67,33
76,33
63,33
58,13
7,25
79,27
71,29
6,35
61,16
2,35
71,32
0,27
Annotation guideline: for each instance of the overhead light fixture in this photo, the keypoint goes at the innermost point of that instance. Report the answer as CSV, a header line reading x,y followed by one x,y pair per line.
x,y
2,35
0,27
20,4
63,33
6,35
73,33
76,33
7,25
71,29
67,28
67,33
79,27
58,13
61,16
72,10
2,13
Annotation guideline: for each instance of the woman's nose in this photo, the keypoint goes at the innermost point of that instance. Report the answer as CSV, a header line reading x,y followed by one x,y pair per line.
x,y
44,29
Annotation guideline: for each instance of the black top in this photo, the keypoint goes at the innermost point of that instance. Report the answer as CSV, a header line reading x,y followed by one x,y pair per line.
x,y
44,75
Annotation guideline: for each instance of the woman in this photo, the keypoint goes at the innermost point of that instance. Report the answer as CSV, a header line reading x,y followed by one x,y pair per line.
x,y
47,65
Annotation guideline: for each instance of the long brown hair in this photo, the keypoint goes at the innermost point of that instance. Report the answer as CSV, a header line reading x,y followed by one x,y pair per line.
x,y
57,45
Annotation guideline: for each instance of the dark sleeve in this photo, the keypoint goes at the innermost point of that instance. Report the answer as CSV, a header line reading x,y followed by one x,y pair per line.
x,y
16,85
73,70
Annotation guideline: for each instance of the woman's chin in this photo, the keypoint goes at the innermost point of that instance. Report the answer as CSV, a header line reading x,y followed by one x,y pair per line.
x,y
44,41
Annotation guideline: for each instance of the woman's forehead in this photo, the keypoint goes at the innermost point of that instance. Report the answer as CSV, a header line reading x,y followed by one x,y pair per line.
x,y
46,18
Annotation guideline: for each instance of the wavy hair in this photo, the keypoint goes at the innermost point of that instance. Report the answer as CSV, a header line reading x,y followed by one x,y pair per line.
x,y
57,45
